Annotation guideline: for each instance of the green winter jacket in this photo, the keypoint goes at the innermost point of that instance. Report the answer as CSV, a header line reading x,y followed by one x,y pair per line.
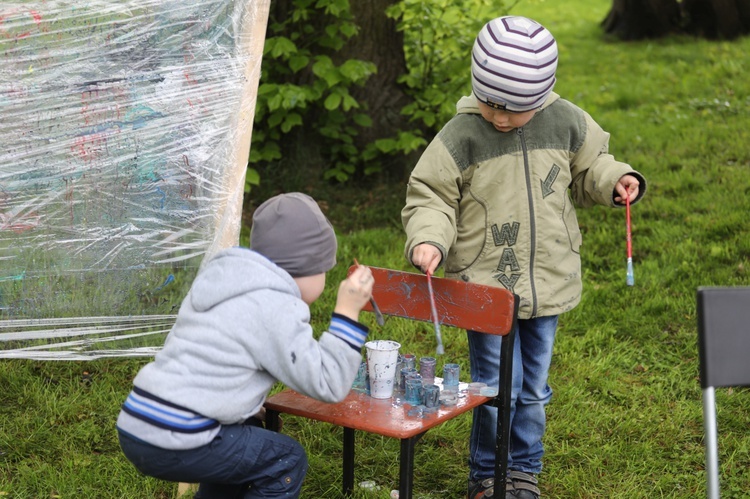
x,y
498,204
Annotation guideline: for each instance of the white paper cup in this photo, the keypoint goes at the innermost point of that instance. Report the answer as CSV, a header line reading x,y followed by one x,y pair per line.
x,y
382,357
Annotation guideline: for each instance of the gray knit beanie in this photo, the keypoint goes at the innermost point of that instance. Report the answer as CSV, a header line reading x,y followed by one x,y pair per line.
x,y
291,231
513,64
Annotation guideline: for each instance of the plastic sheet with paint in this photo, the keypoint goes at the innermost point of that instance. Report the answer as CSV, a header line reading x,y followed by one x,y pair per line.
x,y
124,136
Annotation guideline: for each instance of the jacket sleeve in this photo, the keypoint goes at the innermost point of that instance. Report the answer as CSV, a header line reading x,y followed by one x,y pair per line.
x,y
595,172
323,369
432,200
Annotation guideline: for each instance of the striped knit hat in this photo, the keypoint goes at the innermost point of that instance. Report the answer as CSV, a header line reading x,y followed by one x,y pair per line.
x,y
513,64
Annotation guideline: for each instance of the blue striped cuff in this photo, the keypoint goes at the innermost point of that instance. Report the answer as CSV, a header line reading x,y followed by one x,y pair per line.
x,y
348,330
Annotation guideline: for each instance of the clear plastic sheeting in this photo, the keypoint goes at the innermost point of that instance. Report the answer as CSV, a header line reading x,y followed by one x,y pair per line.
x,y
124,133
84,338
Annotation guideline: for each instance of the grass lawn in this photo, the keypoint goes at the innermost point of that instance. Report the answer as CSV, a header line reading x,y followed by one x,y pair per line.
x,y
625,420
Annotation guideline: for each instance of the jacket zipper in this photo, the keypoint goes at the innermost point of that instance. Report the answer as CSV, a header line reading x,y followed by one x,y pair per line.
x,y
532,225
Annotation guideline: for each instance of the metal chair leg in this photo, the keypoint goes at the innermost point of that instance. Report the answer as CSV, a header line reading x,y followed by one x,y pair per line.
x,y
406,466
712,445
502,444
272,420
348,461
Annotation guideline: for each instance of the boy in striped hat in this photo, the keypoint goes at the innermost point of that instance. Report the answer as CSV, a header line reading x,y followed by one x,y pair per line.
x,y
194,412
492,201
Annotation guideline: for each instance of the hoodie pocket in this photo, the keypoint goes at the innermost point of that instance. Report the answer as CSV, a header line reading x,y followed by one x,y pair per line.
x,y
571,225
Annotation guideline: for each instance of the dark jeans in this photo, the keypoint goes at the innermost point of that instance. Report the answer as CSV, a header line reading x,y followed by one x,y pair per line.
x,y
242,462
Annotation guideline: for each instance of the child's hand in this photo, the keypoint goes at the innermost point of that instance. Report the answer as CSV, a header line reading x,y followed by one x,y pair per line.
x,y
426,257
354,292
627,186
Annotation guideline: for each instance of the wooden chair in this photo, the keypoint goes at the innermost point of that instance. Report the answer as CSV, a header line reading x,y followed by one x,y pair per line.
x,y
723,346
491,310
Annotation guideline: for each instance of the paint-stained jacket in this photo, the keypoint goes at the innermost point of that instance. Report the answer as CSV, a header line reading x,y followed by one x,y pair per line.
x,y
498,205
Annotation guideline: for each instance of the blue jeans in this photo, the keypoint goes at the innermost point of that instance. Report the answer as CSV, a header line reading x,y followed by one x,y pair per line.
x,y
532,355
242,462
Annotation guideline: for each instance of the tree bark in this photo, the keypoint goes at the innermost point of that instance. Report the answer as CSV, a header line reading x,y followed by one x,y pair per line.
x,y
382,97
379,42
640,19
727,19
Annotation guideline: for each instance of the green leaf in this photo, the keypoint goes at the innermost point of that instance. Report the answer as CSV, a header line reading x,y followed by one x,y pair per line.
x,y
268,151
274,102
290,121
267,88
282,46
333,7
325,69
322,65
298,62
252,177
332,30
362,119
357,71
386,145
294,97
349,29
332,102
350,102
275,119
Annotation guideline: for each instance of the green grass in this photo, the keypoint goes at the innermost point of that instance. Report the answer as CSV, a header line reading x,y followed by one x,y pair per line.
x,y
625,420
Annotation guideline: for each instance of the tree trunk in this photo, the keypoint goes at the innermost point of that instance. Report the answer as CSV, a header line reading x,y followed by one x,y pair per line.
x,y
378,41
639,19
381,43
382,97
727,19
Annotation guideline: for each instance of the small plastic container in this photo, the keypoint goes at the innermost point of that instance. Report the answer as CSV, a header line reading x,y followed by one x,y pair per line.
x,y
451,374
360,382
405,372
409,360
488,391
427,369
476,387
431,398
414,391
448,398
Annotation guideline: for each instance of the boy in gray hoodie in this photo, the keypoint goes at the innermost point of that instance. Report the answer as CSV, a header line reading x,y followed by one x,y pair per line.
x,y
244,325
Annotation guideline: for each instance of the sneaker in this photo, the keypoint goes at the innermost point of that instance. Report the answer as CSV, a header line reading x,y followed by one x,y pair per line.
x,y
481,489
524,485
485,489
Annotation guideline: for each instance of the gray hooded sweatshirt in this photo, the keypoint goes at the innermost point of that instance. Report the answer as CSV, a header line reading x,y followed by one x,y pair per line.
x,y
242,327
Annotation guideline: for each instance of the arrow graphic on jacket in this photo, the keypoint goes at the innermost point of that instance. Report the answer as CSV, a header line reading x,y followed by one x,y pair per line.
x,y
547,182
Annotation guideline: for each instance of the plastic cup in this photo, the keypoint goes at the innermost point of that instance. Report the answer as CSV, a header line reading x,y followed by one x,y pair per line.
x,y
431,398
450,377
448,398
382,357
427,368
409,360
405,371
360,382
414,390
476,387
